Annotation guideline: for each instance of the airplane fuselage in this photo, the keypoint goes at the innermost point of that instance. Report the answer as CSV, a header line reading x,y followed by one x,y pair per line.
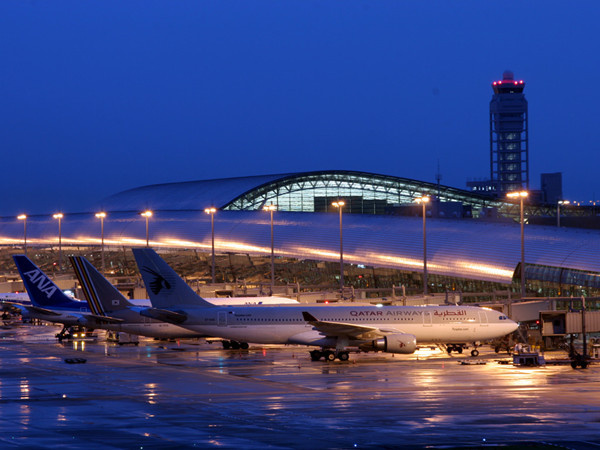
x,y
286,325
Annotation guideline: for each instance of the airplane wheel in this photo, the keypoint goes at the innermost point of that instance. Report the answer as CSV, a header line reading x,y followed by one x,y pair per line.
x,y
343,356
449,350
315,355
459,349
330,356
235,345
226,345
244,345
474,352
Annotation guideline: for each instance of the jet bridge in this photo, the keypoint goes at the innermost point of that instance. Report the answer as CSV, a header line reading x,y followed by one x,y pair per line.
x,y
561,323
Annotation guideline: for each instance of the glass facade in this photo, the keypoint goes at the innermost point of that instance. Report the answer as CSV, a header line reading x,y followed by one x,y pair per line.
x,y
364,193
559,281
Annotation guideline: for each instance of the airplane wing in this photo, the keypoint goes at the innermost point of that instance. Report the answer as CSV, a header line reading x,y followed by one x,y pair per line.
x,y
164,315
39,310
345,329
102,319
14,307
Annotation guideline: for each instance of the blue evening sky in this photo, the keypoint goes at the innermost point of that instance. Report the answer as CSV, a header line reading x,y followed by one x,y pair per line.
x,y
99,96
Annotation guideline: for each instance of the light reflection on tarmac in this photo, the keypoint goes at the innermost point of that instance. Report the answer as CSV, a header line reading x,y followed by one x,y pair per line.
x,y
190,394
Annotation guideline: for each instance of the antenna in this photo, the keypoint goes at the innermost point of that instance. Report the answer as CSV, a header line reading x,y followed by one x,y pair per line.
x,y
438,177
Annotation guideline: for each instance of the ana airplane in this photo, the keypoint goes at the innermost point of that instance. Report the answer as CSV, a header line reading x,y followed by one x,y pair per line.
x,y
48,302
335,329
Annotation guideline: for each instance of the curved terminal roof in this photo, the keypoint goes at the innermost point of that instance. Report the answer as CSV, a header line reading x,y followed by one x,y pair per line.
x,y
188,195
467,249
307,192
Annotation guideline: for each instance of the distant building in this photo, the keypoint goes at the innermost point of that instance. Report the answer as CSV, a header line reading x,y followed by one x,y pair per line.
x,y
552,187
509,141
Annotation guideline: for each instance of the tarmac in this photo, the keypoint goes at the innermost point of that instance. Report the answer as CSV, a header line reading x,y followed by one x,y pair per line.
x,y
191,394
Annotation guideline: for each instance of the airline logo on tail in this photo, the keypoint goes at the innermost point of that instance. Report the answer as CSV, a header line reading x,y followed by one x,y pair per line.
x,y
158,283
42,282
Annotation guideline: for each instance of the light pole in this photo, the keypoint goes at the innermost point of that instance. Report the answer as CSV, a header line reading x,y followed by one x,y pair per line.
x,y
521,195
147,214
59,216
560,202
101,216
212,211
340,205
23,217
423,200
271,208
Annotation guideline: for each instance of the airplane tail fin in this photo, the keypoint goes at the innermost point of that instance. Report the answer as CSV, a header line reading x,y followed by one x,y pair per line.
x,y
41,289
101,295
165,288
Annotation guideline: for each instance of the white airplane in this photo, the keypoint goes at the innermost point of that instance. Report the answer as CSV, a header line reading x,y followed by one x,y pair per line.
x,y
116,313
22,298
112,311
336,329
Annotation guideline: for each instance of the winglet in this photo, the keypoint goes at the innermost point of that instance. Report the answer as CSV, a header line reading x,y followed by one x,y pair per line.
x,y
309,317
41,289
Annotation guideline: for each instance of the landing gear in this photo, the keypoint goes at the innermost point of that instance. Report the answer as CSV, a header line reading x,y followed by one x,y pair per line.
x,y
76,332
66,331
234,345
315,355
343,356
458,348
329,355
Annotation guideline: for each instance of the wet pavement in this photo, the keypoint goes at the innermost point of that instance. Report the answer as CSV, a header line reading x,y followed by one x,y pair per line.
x,y
191,394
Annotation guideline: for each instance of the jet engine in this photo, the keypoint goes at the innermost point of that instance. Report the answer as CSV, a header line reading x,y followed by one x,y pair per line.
x,y
396,343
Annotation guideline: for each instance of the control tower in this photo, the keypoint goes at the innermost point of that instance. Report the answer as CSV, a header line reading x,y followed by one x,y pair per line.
x,y
509,143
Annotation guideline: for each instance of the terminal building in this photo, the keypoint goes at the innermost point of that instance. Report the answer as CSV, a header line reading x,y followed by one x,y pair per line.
x,y
381,227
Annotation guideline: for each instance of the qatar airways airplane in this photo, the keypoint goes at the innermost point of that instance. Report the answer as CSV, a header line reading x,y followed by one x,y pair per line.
x,y
335,329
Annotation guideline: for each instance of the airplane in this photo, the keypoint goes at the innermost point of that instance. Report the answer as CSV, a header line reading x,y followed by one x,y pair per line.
x,y
51,304
15,302
15,297
113,312
335,329
106,300
48,302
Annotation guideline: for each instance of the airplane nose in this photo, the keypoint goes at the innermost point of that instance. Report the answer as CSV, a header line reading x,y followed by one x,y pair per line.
x,y
512,326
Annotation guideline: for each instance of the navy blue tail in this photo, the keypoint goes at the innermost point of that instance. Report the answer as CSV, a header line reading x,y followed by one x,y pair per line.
x,y
41,289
